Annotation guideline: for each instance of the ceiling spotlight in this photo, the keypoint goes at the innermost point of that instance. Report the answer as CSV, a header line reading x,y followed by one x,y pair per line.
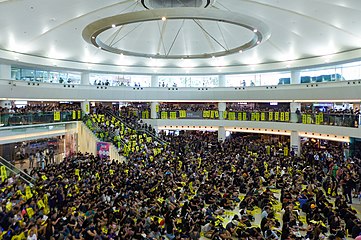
x,y
93,37
164,18
255,30
113,25
258,42
100,47
240,51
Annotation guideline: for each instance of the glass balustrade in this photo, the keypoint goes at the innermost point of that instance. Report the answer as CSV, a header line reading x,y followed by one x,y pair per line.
x,y
15,119
334,119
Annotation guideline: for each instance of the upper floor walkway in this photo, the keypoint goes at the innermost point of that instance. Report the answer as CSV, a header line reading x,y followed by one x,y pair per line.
x,y
313,92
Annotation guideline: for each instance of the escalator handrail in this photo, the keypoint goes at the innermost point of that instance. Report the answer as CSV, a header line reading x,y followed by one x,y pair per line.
x,y
23,175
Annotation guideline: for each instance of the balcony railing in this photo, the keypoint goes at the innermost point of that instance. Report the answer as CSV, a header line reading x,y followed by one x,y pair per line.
x,y
335,119
16,119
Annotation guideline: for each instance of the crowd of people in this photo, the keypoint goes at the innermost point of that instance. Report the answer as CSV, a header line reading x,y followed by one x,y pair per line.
x,y
39,108
191,187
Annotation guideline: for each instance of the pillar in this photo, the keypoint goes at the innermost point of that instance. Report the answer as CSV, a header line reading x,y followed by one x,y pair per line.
x,y
85,78
153,110
5,71
293,108
221,134
154,81
295,143
221,108
295,77
85,107
221,81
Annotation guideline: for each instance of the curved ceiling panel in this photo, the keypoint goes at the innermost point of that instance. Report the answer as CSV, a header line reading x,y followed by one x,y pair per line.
x,y
301,30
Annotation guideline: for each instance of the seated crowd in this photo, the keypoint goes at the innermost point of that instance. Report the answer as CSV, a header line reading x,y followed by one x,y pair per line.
x,y
191,187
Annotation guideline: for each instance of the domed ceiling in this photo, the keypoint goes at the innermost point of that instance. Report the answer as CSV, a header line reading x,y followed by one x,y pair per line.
x,y
178,36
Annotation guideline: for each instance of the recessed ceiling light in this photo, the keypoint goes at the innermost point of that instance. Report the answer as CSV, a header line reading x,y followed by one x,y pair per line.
x,y
258,42
240,51
255,30
93,37
100,47
113,25
164,18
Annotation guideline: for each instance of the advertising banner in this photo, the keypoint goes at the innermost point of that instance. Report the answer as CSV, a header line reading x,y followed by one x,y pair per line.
x,y
103,149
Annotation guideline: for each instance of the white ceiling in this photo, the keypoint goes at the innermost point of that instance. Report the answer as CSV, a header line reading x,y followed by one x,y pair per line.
x,y
47,32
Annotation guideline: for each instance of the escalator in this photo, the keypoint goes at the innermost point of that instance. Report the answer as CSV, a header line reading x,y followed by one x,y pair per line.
x,y
139,130
12,170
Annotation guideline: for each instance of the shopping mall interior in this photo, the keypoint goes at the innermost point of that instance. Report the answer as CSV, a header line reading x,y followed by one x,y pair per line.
x,y
180,119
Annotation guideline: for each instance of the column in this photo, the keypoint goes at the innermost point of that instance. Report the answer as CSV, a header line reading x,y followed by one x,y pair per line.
x,y
85,78
221,81
153,110
5,71
295,143
221,108
295,118
221,134
295,77
85,107
154,81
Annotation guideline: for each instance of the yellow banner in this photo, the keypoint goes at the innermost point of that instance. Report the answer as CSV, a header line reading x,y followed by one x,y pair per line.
x,y
3,173
164,115
182,114
282,118
321,118
28,193
231,116
216,115
268,150
206,114
263,116
225,114
285,151
145,114
56,116
157,108
74,115
304,118
173,115
240,115
257,116
309,119
244,116
287,116
79,114
277,114
270,116
212,113
253,116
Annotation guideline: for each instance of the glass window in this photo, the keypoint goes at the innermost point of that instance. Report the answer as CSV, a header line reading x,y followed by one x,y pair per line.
x,y
188,81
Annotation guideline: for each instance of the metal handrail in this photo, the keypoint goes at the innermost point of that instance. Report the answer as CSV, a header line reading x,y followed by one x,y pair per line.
x,y
23,175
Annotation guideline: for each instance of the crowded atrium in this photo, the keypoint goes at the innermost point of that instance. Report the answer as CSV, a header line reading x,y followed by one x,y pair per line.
x,y
180,120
